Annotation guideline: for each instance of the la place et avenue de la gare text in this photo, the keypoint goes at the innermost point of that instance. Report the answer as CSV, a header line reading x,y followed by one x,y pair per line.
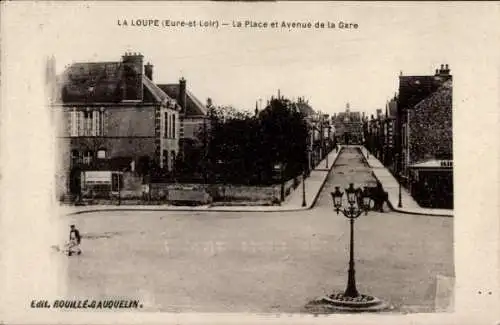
x,y
168,23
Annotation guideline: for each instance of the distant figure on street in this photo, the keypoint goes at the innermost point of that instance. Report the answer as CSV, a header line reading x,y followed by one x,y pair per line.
x,y
74,241
145,192
380,197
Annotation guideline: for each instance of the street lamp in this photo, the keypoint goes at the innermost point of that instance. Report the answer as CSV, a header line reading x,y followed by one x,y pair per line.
x,y
304,189
400,174
358,202
327,154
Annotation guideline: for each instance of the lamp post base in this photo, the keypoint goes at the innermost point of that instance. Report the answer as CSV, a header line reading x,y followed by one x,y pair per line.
x,y
339,303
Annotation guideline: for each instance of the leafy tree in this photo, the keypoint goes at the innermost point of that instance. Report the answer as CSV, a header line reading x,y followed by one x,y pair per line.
x,y
243,148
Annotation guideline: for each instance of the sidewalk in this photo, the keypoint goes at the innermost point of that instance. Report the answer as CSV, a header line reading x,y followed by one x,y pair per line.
x,y
391,186
293,202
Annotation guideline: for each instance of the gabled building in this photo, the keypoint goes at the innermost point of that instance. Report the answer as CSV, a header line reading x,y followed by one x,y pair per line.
x,y
193,115
348,126
114,118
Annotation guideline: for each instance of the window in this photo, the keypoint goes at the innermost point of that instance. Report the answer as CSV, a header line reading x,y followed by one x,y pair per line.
x,y
165,159
73,123
166,125
172,156
116,182
86,123
75,157
101,154
173,126
87,116
87,157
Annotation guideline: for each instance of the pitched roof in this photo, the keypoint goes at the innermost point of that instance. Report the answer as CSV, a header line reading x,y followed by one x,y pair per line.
x,y
92,82
102,82
193,105
442,95
158,94
353,116
413,89
304,108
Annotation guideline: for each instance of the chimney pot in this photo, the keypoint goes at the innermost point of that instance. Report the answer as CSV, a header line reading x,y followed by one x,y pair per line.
x,y
148,71
182,93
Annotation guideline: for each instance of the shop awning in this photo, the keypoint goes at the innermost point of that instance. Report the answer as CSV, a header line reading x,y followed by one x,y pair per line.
x,y
433,164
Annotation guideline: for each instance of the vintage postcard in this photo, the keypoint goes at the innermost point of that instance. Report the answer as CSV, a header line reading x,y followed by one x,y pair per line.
x,y
194,162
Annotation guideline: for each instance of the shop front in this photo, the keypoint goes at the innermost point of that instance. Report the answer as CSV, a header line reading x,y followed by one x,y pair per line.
x,y
431,183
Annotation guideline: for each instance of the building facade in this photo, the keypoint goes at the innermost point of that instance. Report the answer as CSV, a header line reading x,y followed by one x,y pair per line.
x,y
348,126
114,118
412,90
430,148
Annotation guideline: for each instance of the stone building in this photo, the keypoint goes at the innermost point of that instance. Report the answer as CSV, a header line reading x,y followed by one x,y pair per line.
x,y
412,90
114,118
430,148
193,116
348,126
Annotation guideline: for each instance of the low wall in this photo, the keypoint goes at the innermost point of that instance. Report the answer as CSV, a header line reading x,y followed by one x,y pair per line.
x,y
227,192
202,193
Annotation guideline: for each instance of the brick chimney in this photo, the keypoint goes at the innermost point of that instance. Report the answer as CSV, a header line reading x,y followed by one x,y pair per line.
x,y
133,70
443,72
148,71
182,94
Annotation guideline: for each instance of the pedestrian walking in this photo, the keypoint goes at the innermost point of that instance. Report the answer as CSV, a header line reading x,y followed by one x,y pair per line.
x,y
380,197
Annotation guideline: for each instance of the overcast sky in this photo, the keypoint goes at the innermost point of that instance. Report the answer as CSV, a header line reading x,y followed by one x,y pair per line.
x,y
238,66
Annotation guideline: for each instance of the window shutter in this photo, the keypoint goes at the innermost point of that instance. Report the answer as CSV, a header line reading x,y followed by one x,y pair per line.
x,y
94,123
105,119
78,117
71,123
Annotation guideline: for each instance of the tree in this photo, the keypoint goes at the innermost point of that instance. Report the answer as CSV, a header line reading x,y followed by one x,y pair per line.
x,y
285,135
243,148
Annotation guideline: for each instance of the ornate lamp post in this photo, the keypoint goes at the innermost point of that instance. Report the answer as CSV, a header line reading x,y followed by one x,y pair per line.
x,y
358,202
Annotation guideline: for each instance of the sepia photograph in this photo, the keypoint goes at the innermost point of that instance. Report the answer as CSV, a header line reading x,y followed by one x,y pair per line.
x,y
256,158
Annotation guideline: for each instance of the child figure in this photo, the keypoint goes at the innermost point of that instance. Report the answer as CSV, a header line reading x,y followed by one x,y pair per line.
x,y
74,241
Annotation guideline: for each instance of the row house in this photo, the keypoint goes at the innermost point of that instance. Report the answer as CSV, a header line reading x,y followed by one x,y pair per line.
x,y
373,129
114,119
319,131
379,133
414,138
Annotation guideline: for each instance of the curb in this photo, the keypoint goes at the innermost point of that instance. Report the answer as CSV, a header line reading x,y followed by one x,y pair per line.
x,y
179,210
315,199
416,213
401,210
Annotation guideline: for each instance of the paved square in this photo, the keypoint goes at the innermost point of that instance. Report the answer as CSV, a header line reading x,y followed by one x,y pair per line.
x,y
260,262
